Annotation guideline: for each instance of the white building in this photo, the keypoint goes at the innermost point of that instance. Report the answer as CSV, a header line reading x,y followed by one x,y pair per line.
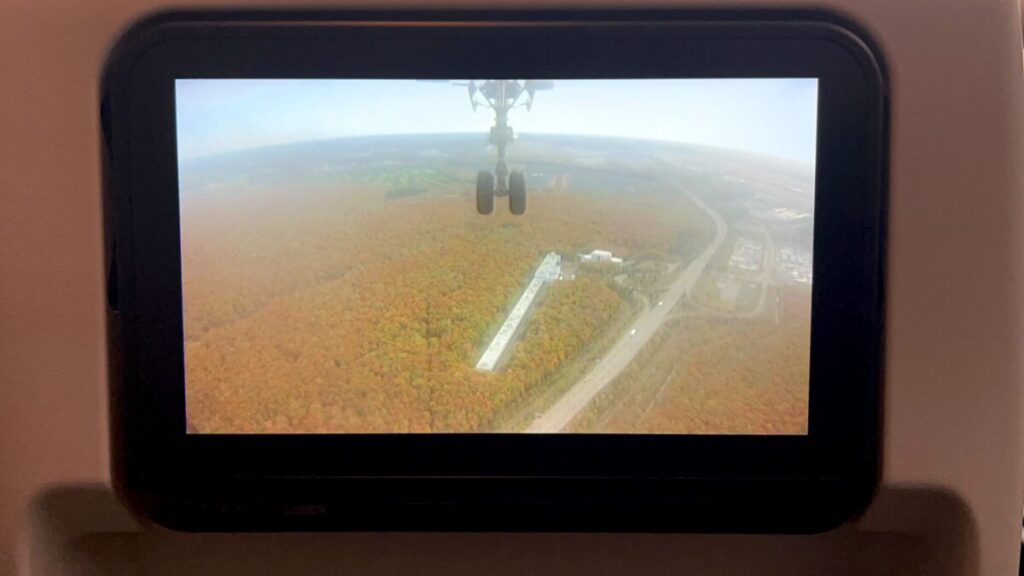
x,y
549,270
600,256
550,267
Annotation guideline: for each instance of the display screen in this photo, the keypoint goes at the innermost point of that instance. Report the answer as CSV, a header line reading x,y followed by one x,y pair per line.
x,y
497,256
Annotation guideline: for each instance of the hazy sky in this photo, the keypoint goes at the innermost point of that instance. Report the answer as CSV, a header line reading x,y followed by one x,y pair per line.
x,y
776,117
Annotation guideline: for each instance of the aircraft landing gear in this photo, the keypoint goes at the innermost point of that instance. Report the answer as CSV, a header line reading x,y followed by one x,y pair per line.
x,y
501,96
487,187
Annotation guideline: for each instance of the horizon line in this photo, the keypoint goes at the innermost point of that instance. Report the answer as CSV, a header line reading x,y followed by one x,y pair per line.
x,y
809,164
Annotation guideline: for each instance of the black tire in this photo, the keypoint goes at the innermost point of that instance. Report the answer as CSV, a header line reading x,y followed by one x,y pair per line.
x,y
484,192
517,192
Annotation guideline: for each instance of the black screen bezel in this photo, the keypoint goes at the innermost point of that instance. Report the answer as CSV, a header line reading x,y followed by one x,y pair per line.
x,y
151,445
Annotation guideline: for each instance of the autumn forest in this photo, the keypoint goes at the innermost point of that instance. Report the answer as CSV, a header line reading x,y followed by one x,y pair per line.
x,y
330,305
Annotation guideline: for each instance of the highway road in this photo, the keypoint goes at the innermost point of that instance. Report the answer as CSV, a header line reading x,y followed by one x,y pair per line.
x,y
639,333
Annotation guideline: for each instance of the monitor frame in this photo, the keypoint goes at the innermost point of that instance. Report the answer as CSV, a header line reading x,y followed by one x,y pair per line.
x,y
493,481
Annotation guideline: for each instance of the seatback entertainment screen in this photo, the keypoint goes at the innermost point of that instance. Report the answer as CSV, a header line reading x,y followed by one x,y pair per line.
x,y
628,256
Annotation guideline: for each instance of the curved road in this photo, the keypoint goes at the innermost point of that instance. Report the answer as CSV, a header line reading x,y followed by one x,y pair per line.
x,y
622,353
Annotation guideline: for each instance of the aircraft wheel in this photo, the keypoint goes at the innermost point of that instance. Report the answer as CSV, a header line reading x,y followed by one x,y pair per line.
x,y
517,192
484,192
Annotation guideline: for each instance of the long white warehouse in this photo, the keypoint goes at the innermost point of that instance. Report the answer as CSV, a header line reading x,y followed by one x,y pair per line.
x,y
549,269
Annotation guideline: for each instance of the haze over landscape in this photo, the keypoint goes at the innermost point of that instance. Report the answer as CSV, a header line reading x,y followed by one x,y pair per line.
x,y
343,281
